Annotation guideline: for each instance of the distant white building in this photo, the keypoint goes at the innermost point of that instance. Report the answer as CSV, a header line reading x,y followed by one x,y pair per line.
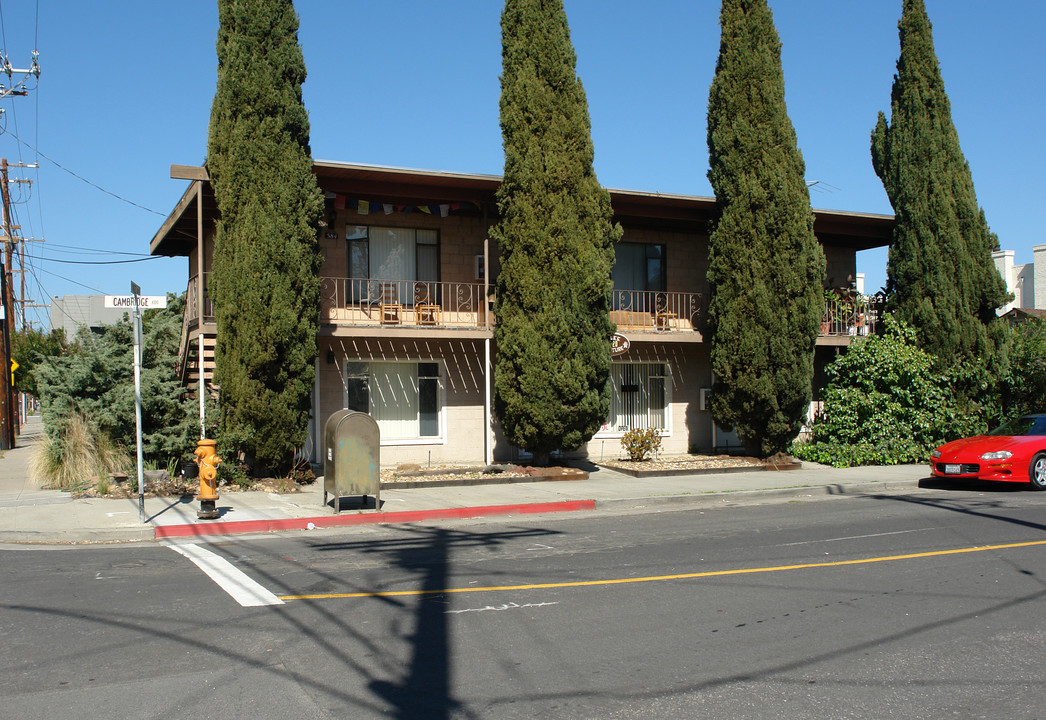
x,y
71,312
1027,282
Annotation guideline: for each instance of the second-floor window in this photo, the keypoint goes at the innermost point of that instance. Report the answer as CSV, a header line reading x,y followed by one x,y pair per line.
x,y
394,254
639,266
639,273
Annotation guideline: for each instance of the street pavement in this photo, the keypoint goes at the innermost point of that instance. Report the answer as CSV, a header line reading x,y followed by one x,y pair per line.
x,y
32,515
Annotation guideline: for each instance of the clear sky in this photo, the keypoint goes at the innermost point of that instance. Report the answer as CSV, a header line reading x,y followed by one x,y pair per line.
x,y
126,86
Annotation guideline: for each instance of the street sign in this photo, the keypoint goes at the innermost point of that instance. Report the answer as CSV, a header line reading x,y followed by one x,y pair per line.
x,y
145,302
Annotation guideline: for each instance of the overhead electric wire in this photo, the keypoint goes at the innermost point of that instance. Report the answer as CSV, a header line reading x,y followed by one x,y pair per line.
x,y
103,262
83,179
94,250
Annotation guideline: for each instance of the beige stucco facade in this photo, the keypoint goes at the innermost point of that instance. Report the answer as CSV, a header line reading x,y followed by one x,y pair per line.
x,y
410,337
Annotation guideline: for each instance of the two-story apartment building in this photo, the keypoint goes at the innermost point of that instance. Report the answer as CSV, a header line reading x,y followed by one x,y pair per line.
x,y
406,327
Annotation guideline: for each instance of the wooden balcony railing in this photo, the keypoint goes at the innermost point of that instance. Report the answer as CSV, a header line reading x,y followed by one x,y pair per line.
x,y
191,306
371,301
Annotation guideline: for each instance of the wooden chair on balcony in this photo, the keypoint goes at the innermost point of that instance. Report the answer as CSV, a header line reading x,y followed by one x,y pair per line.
x,y
389,307
663,317
426,310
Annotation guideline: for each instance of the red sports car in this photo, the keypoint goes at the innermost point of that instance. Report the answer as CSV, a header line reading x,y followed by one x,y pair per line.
x,y
1013,452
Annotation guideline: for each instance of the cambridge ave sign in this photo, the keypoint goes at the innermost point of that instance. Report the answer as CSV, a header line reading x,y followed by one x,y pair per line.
x,y
145,302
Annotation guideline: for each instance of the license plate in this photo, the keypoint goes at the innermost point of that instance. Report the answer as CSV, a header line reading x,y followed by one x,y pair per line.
x,y
952,469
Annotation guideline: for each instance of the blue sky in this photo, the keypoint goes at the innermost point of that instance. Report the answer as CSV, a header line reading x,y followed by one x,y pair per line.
x,y
126,86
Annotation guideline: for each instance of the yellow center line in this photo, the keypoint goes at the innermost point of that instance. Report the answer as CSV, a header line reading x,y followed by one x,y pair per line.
x,y
661,578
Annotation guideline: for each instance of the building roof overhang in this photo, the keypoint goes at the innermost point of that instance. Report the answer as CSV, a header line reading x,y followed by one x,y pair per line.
x,y
177,235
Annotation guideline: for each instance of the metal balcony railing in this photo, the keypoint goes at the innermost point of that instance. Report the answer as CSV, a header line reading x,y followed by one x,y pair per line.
x,y
373,301
855,316
657,311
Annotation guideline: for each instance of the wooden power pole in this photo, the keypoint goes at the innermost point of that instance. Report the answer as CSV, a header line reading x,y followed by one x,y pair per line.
x,y
8,414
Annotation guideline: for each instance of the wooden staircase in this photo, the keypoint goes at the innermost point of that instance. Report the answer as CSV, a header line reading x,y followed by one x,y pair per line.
x,y
190,364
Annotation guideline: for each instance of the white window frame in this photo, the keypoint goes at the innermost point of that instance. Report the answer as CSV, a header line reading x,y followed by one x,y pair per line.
x,y
441,398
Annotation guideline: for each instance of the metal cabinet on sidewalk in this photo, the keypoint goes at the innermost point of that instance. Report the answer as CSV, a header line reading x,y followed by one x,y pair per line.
x,y
350,467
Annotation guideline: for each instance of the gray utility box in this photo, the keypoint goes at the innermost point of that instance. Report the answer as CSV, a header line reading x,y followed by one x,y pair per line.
x,y
351,465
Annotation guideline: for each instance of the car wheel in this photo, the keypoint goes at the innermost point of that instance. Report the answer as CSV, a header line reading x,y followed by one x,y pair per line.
x,y
1037,472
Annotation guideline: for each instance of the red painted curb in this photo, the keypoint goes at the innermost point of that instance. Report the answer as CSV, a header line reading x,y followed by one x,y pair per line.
x,y
328,521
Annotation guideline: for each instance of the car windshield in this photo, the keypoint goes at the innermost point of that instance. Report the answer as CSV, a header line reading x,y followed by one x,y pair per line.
x,y
1027,425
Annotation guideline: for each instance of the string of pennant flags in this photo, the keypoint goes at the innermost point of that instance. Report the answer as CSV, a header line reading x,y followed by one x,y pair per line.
x,y
373,207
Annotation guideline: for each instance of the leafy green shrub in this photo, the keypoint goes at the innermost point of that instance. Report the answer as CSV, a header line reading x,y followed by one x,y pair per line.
x,y
885,404
95,379
640,443
1023,386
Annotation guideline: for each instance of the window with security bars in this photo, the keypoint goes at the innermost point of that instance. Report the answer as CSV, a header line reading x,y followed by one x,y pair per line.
x,y
637,396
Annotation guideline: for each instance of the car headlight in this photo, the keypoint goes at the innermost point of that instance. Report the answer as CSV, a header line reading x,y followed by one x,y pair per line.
x,y
997,455
935,454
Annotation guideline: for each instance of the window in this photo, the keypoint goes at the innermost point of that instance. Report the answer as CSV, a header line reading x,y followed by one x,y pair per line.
x,y
638,397
400,255
639,272
639,266
404,398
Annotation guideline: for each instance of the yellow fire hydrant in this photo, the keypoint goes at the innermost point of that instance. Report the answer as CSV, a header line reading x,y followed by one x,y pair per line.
x,y
207,460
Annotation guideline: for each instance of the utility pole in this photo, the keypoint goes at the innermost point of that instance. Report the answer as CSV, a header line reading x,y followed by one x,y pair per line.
x,y
12,418
7,428
9,418
9,245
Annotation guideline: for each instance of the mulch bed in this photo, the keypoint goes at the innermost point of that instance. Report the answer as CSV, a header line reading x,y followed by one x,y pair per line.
x,y
412,476
698,465
405,478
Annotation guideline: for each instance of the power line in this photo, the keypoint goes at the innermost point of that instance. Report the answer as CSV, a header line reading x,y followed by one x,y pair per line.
x,y
83,179
102,262
51,246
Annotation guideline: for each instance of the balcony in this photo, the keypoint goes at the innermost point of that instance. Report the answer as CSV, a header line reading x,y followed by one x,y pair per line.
x,y
453,305
853,316
657,312
405,303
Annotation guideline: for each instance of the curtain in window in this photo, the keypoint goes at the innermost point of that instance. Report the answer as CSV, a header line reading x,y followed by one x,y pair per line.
x,y
392,255
394,399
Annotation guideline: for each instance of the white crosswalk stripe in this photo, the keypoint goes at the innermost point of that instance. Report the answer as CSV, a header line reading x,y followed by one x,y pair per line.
x,y
232,580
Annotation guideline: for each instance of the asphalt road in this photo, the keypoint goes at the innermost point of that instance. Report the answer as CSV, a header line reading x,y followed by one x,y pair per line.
x,y
925,605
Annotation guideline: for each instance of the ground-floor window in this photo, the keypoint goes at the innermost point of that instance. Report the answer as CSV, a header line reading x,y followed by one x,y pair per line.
x,y
638,397
404,398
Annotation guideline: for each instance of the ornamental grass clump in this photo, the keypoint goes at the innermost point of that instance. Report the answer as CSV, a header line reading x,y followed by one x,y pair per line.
x,y
641,443
81,452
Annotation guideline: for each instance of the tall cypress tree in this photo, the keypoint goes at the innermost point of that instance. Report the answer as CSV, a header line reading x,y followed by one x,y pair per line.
x,y
940,277
556,243
765,268
265,281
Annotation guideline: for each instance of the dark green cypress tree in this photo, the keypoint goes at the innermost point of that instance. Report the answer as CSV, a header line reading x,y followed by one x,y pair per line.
x,y
556,243
765,269
265,281
940,276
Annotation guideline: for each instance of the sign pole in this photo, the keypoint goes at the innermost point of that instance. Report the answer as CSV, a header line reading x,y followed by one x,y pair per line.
x,y
137,291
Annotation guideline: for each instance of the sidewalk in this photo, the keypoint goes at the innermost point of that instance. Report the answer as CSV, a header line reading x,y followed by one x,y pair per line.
x,y
31,515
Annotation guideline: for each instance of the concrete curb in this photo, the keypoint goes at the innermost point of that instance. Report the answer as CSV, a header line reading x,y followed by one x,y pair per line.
x,y
143,533
380,518
741,496
202,529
